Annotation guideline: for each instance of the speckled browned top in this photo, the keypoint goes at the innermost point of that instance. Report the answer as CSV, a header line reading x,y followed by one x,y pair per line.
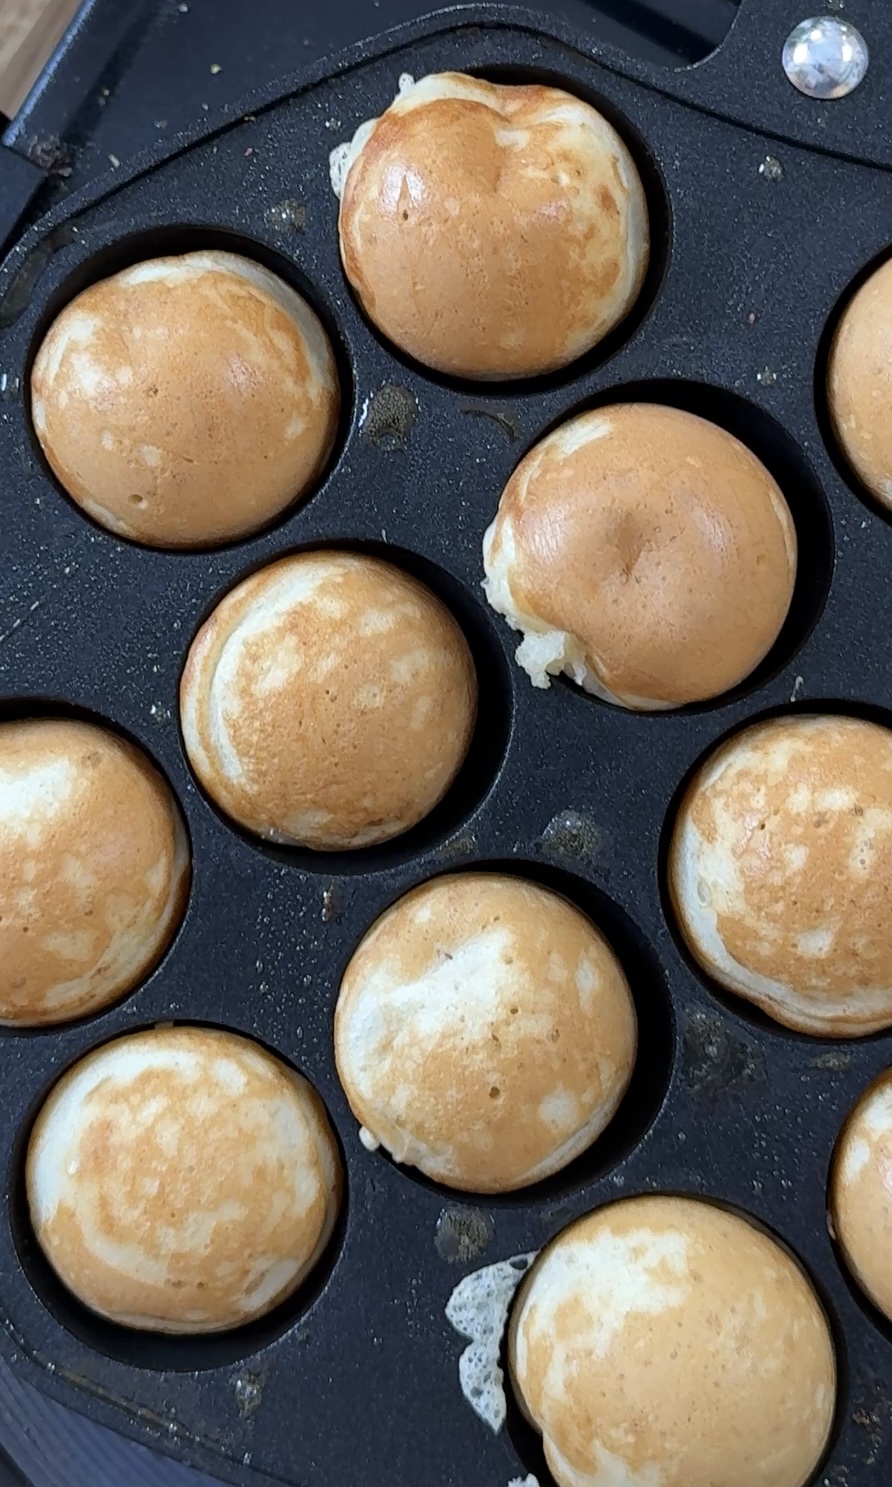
x,y
94,863
657,540
780,868
484,1032
186,401
861,1192
182,1180
493,231
664,1342
860,383
329,701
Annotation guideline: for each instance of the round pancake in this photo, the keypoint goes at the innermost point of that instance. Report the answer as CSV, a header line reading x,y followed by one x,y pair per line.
x,y
861,1193
329,701
182,1179
95,866
492,231
485,1032
779,871
665,1342
186,401
859,383
645,553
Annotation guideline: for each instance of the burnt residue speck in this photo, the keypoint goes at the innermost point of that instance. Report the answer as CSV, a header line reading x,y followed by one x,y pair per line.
x,y
460,846
572,834
389,416
771,169
461,1234
834,1060
718,1061
836,1476
50,154
248,1390
289,215
872,1414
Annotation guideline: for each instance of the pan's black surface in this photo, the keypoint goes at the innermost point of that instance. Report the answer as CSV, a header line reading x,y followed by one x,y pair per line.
x,y
357,1379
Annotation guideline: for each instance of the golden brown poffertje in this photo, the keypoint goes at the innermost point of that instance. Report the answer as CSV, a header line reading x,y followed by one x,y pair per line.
x,y
186,401
491,231
859,383
329,701
182,1179
485,1032
779,871
645,553
95,865
666,1341
861,1193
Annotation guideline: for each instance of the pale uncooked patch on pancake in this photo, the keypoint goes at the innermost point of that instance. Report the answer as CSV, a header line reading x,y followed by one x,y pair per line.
x,y
873,824
855,1158
785,523
30,801
559,1109
107,517
146,1111
455,986
875,1114
273,602
609,1470
707,883
343,155
580,1139
478,1310
470,982
615,1276
77,329
543,652
869,1124
578,433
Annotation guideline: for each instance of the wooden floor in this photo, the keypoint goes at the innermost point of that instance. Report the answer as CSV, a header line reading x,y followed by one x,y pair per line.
x,y
29,29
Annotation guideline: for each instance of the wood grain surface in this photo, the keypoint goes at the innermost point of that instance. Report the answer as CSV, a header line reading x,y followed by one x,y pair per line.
x,y
29,29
